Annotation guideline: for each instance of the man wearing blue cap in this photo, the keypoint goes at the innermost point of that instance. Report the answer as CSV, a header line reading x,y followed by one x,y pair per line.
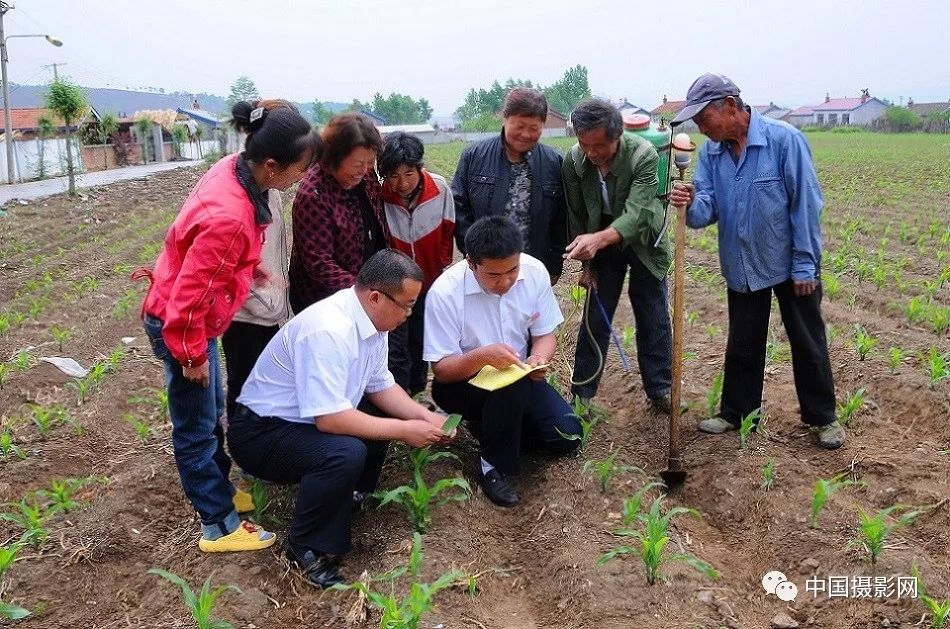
x,y
755,177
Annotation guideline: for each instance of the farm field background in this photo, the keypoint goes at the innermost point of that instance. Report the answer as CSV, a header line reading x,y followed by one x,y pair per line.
x,y
65,291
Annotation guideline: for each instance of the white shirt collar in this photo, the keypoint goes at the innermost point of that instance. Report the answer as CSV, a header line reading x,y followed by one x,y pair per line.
x,y
364,325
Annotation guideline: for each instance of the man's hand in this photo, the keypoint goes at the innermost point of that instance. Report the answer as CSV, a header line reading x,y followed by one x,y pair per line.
x,y
420,433
681,194
499,355
586,246
587,279
804,288
198,375
438,420
539,374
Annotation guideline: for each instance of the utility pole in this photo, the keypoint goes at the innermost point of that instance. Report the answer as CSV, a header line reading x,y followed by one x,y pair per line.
x,y
7,123
55,71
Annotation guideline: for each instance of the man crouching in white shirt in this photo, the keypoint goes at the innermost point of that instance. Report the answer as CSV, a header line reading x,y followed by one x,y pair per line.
x,y
297,418
496,307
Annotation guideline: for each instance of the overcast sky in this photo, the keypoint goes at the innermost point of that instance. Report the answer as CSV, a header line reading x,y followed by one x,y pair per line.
x,y
790,52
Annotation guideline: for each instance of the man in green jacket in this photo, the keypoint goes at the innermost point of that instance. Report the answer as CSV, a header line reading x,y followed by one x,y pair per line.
x,y
616,221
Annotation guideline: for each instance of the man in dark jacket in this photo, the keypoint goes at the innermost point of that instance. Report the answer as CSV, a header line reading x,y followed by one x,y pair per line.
x,y
514,176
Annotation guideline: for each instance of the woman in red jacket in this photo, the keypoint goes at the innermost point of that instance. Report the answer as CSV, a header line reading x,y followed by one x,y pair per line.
x,y
201,278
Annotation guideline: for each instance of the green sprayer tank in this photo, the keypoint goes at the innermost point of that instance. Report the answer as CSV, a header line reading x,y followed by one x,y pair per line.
x,y
658,135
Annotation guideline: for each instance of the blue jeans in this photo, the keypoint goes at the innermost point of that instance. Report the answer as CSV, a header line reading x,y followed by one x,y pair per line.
x,y
198,438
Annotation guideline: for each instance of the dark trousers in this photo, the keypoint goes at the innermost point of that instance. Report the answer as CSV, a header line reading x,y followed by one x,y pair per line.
x,y
745,353
651,313
523,415
243,344
405,351
328,467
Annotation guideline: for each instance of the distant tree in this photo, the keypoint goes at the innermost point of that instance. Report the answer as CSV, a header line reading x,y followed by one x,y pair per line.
x,y
482,105
179,137
199,134
321,115
356,105
108,125
144,128
569,90
401,109
242,89
45,128
67,101
901,118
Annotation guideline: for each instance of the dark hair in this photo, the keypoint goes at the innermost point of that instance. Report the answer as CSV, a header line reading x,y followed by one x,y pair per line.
x,y
386,270
346,132
275,130
594,113
493,238
401,149
525,101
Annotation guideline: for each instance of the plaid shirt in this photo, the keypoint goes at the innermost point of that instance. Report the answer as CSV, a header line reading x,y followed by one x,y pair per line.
x,y
329,237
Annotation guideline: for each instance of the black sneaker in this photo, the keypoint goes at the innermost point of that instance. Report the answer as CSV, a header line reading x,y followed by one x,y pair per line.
x,y
498,488
318,569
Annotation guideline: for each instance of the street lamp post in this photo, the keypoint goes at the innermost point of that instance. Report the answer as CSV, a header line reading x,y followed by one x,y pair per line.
x,y
7,123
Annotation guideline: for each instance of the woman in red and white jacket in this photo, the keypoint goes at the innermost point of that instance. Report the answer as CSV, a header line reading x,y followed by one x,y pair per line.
x,y
420,212
209,261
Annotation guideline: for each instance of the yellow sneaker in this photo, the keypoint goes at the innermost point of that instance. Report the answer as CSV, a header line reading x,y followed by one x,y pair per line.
x,y
243,503
245,537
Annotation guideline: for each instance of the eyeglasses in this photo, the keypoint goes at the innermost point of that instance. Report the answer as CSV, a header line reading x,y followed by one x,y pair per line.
x,y
407,308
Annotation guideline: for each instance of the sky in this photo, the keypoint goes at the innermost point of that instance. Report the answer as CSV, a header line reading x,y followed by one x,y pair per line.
x,y
790,53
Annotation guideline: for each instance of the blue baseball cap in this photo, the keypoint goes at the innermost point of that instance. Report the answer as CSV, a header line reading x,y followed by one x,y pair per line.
x,y
704,90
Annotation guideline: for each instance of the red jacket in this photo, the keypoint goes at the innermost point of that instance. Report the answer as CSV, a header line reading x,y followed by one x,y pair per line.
x,y
425,233
203,273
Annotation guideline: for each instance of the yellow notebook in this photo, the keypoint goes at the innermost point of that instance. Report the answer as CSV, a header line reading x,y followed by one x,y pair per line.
x,y
492,379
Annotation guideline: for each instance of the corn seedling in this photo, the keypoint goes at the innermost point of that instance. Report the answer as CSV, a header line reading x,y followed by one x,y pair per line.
x,y
747,425
850,407
915,309
260,499
46,418
832,331
824,489
632,505
713,330
692,318
451,423
124,303
895,358
831,286
873,530
768,475
61,494
201,605
628,337
31,516
7,557
863,342
605,469
939,610
8,449
419,498
4,373
776,351
60,335
13,612
587,417
406,612
714,395
22,360
937,367
939,319
142,429
651,529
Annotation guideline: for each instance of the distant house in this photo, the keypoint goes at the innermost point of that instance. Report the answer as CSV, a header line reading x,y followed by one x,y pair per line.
x,y
445,123
26,120
778,113
861,111
555,120
425,132
799,117
770,110
926,109
379,121
626,107
666,110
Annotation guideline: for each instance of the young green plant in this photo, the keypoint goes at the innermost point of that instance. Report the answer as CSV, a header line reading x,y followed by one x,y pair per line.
x,y
939,610
824,489
768,475
747,425
651,530
936,367
605,469
850,407
8,449
419,498
863,341
406,612
873,530
31,516
714,395
201,604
